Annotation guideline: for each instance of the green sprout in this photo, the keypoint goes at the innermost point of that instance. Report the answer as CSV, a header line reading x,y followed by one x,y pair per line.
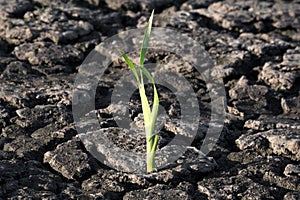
x,y
150,115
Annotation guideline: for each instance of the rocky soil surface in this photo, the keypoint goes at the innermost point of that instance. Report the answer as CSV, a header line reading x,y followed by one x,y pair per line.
x,y
256,46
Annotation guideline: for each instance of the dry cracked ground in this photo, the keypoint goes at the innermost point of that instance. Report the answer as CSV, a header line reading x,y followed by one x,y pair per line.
x,y
255,46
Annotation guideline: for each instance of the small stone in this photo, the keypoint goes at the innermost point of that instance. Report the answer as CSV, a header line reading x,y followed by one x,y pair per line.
x,y
291,104
65,32
276,79
278,141
253,99
69,159
45,53
291,170
195,4
20,34
292,196
291,60
258,125
290,183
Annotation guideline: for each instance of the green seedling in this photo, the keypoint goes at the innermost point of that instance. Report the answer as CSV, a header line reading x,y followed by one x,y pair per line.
x,y
150,115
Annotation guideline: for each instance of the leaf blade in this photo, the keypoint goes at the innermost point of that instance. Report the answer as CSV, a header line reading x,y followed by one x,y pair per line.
x,y
130,64
145,105
146,40
154,111
148,75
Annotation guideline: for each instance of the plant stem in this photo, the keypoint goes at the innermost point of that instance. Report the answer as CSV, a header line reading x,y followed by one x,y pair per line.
x,y
150,161
151,150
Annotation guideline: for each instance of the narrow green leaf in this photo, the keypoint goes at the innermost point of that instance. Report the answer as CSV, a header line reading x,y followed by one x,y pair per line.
x,y
154,144
146,40
145,105
155,104
130,64
154,111
148,75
